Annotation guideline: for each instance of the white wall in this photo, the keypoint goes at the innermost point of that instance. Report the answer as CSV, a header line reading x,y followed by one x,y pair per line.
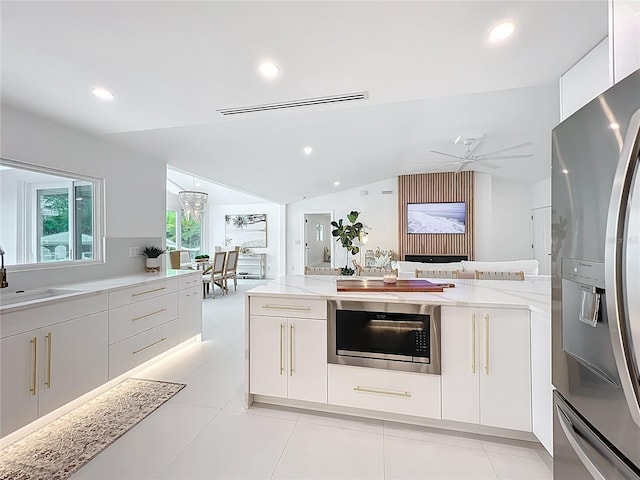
x,y
483,244
135,185
511,208
378,212
541,193
587,79
624,32
275,231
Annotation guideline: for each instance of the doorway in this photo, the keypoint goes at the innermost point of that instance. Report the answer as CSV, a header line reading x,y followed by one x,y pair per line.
x,y
541,232
318,244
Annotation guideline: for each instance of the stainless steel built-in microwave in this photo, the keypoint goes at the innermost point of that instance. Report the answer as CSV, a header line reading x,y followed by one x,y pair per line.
x,y
385,335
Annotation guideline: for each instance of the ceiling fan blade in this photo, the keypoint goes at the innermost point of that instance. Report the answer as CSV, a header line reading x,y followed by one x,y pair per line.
x,y
447,154
462,166
506,149
503,157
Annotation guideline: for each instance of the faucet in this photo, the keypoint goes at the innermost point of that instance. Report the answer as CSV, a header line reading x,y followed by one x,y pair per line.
x,y
3,271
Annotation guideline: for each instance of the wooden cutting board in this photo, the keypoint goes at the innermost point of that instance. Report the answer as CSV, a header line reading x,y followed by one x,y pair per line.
x,y
378,285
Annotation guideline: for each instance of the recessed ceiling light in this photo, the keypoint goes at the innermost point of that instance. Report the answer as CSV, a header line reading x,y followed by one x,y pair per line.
x,y
307,150
336,183
501,32
268,69
103,93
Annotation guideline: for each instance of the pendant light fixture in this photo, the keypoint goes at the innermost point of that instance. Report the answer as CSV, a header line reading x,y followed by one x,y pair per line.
x,y
193,203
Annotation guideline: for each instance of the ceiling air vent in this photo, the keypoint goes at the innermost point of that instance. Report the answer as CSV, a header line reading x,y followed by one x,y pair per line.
x,y
305,102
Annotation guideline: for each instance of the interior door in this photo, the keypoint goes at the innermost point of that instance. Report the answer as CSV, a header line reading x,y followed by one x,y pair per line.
x,y
541,228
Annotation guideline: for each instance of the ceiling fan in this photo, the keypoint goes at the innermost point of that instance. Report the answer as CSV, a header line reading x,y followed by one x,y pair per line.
x,y
469,156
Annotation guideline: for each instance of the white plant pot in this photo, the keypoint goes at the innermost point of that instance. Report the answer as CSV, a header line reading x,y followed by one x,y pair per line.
x,y
153,264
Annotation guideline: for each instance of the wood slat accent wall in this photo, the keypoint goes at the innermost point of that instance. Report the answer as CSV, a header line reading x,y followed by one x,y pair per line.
x,y
436,187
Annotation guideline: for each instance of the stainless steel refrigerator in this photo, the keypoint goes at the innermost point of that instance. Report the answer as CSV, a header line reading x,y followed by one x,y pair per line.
x,y
596,288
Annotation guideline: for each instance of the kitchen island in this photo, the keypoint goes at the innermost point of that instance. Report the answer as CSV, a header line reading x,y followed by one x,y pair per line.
x,y
493,346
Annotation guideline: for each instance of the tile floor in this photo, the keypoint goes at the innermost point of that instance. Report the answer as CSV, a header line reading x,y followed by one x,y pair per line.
x,y
204,432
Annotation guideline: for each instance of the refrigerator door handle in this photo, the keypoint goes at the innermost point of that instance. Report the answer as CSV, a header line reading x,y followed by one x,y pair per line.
x,y
577,445
616,298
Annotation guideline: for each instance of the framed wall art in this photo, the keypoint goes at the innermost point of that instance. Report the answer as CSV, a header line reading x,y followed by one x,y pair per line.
x,y
248,230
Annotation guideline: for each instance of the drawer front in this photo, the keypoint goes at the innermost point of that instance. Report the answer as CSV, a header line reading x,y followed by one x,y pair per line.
x,y
134,318
131,352
385,390
288,307
125,296
188,281
52,312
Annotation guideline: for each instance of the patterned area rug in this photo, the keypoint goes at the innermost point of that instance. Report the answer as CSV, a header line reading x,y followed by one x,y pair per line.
x,y
61,447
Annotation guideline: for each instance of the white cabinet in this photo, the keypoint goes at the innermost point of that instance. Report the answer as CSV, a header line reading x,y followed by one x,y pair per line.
x,y
189,306
288,350
18,395
143,322
189,312
251,265
541,387
75,358
385,390
486,371
45,368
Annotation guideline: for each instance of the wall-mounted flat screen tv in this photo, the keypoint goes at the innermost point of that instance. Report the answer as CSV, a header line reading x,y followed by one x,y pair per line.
x,y
450,217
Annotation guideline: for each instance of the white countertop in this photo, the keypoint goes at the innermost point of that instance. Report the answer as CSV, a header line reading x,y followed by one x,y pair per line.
x,y
91,288
532,293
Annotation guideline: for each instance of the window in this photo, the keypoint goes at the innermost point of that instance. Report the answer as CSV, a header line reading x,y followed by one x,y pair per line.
x,y
186,235
49,215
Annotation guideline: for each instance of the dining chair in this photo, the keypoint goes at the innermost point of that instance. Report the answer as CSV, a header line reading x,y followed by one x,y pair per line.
x,y
499,275
230,269
215,275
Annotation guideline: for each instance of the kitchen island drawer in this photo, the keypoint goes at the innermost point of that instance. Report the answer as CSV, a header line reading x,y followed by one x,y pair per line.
x,y
128,295
133,351
385,390
134,318
288,307
188,281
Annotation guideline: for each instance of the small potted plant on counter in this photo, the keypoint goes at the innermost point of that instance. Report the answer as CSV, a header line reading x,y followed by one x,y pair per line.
x,y
152,253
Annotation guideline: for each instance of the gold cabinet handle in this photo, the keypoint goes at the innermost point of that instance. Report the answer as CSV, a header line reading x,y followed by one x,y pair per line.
x,y
135,319
47,381
473,343
286,307
486,344
148,291
281,342
34,370
149,346
291,350
382,392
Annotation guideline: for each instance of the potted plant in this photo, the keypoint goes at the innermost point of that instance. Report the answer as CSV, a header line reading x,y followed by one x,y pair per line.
x,y
153,261
202,258
346,234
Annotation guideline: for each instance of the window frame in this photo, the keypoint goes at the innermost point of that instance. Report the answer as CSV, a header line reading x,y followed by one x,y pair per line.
x,y
26,220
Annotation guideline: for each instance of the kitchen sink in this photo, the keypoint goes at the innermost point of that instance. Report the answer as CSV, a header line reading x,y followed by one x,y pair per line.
x,y
33,295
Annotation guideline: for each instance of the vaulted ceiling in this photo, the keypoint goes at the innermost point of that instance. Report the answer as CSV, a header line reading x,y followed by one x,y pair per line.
x,y
427,66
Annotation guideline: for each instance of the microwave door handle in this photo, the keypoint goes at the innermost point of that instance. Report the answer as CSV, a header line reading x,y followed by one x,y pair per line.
x,y
616,298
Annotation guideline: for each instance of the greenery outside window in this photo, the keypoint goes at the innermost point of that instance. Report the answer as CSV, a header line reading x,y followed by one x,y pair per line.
x,y
185,235
49,216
